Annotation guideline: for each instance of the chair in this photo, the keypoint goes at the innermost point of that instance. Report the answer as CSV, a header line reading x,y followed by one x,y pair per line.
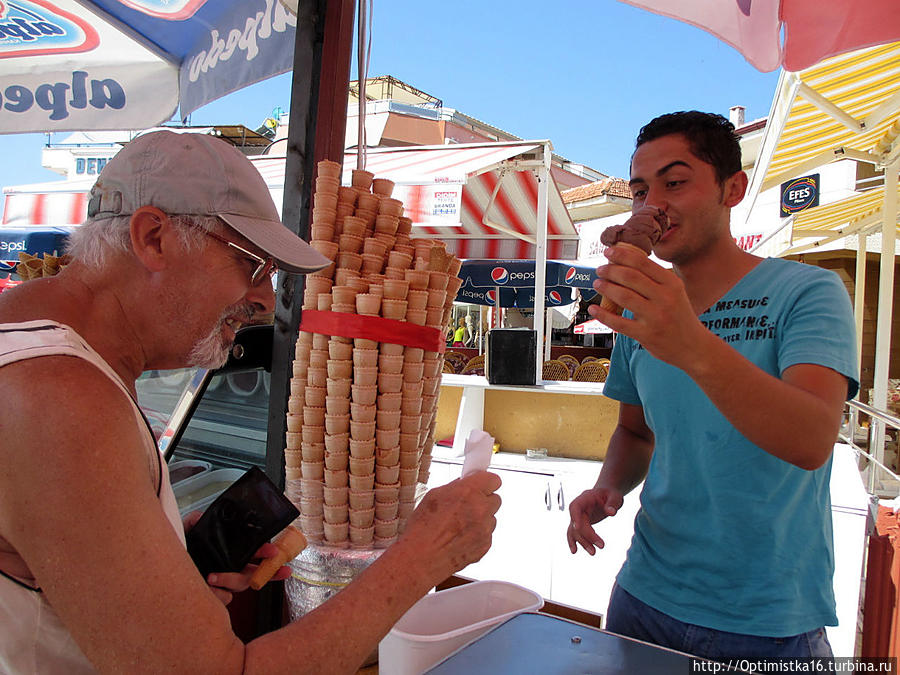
x,y
456,360
588,358
448,368
555,369
592,371
475,366
570,361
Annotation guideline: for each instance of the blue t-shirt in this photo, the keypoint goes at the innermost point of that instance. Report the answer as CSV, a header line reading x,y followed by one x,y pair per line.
x,y
728,536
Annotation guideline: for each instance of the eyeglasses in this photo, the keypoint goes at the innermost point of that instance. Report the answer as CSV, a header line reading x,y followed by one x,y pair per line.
x,y
265,267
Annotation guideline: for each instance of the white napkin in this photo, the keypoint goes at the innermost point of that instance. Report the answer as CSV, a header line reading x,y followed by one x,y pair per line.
x,y
479,447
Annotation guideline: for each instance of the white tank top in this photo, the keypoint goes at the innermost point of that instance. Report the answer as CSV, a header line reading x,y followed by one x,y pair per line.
x,y
33,640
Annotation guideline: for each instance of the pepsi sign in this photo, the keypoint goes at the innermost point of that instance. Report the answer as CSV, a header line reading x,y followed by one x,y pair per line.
x,y
575,278
554,298
490,298
799,194
499,275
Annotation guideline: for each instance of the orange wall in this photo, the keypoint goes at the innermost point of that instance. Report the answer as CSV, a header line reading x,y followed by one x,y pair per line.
x,y
569,425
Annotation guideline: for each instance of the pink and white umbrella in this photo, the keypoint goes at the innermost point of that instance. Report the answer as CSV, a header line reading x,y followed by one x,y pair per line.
x,y
812,30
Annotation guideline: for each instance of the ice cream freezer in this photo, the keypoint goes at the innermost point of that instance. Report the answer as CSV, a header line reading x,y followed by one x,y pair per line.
x,y
539,643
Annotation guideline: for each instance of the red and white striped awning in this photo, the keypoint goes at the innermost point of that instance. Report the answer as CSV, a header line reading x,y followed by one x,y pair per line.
x,y
452,191
56,209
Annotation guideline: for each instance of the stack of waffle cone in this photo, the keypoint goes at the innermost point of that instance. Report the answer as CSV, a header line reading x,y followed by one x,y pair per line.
x,y
38,267
361,413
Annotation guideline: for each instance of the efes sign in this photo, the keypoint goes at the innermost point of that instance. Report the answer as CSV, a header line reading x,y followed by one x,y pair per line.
x,y
799,194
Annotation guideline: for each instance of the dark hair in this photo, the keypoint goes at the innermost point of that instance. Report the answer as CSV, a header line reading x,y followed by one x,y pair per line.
x,y
711,138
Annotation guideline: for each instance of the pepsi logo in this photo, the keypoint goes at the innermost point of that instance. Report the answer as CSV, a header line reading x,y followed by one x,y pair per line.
x,y
570,275
554,297
491,297
499,275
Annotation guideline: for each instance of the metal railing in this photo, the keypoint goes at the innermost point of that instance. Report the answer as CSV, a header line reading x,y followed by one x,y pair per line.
x,y
880,480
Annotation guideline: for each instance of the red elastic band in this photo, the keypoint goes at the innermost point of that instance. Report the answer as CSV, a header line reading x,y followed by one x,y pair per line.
x,y
373,328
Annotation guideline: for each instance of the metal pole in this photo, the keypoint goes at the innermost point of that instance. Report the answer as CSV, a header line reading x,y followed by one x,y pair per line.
x,y
540,257
859,295
885,299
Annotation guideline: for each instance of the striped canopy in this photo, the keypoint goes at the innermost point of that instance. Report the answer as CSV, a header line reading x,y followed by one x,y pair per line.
x,y
479,198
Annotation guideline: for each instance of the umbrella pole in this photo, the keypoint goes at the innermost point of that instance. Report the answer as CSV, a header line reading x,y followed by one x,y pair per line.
x,y
540,259
885,303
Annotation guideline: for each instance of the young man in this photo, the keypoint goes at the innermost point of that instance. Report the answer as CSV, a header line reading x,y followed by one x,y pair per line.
x,y
177,252
731,372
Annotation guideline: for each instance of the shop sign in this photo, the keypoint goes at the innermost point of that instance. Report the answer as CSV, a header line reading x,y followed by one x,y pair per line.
x,y
89,166
799,194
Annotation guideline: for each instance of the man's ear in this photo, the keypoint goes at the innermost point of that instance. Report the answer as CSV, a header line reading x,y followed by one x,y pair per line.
x,y
149,228
735,189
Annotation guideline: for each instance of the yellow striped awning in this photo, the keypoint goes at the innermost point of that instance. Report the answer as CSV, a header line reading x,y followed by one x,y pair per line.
x,y
843,107
824,224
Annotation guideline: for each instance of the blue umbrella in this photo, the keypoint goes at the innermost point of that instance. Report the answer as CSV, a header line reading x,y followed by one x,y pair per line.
x,y
130,64
514,281
520,274
34,241
523,298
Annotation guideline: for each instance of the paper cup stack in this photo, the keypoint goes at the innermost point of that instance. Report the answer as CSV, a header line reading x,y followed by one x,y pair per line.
x,y
361,413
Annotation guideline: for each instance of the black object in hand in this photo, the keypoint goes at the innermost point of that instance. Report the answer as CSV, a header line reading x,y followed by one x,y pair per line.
x,y
238,522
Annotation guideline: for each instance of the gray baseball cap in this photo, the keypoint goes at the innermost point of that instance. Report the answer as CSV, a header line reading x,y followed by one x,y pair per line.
x,y
198,174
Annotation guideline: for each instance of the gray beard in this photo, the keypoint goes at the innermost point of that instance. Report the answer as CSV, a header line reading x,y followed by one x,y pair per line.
x,y
212,351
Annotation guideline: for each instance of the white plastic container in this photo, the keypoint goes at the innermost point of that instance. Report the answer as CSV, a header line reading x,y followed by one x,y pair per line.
x,y
442,622
188,468
199,491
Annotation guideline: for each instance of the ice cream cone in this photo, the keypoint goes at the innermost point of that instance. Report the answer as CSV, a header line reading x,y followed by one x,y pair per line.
x,y
336,496
396,289
336,461
362,518
313,470
382,186
409,424
386,510
362,431
361,466
338,388
362,483
362,413
387,438
362,538
360,501
313,434
387,420
337,534
390,364
606,303
388,349
364,394
313,416
387,492
312,452
408,476
409,460
365,375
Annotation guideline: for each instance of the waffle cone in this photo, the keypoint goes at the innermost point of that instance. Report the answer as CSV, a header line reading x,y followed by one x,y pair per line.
x,y
606,303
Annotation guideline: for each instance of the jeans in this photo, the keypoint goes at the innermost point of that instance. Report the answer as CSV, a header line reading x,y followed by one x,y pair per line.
x,y
630,617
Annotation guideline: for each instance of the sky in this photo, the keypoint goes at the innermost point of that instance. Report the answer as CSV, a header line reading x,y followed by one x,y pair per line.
x,y
585,74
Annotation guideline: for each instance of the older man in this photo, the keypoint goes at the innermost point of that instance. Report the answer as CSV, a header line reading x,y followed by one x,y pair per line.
x,y
178,250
